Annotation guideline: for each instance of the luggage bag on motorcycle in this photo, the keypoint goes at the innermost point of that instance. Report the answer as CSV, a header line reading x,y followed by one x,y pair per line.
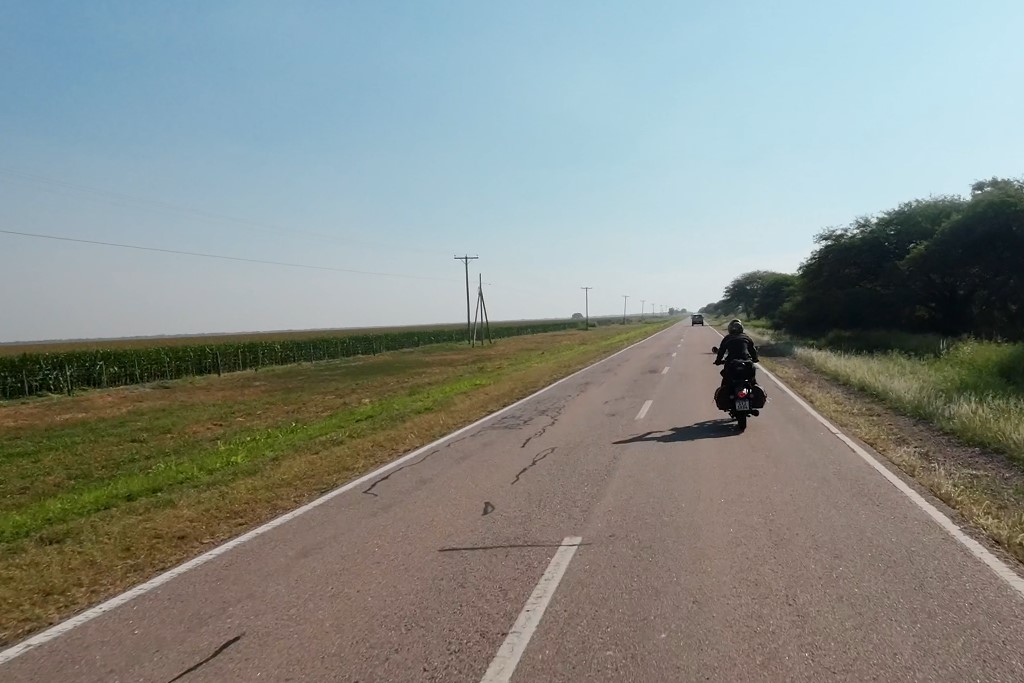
x,y
758,398
721,398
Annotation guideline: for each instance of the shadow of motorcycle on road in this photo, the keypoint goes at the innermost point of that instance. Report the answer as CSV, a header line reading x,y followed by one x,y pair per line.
x,y
709,429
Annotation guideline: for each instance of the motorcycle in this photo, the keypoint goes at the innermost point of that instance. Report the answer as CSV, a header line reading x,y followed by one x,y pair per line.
x,y
740,397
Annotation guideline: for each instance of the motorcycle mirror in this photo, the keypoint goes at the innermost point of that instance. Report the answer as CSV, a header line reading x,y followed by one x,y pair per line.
x,y
714,349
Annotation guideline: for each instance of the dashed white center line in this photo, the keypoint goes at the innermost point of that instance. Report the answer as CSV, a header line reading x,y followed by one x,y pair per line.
x,y
674,354
643,411
665,371
504,663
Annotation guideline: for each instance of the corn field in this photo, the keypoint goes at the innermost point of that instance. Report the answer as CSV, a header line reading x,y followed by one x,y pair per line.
x,y
61,373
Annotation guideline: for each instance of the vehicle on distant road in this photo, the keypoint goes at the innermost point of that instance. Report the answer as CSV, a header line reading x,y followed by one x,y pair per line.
x,y
696,319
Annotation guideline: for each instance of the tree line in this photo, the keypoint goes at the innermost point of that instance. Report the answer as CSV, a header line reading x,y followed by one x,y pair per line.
x,y
949,265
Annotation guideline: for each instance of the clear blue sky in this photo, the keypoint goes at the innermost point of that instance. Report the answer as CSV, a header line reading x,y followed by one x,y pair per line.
x,y
616,145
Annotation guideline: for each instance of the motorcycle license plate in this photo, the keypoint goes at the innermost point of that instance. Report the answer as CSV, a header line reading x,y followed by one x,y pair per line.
x,y
742,404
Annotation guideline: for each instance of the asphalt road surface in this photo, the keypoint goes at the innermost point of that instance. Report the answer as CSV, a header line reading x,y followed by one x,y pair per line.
x,y
614,527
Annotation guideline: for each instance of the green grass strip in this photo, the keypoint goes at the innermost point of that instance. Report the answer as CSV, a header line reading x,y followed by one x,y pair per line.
x,y
238,456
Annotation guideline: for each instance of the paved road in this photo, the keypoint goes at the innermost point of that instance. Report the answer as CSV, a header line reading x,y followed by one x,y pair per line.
x,y
581,537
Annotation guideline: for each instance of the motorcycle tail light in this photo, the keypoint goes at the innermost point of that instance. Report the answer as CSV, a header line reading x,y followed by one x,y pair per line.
x,y
743,393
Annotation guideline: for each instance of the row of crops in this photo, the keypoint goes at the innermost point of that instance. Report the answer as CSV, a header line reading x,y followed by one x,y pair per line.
x,y
59,373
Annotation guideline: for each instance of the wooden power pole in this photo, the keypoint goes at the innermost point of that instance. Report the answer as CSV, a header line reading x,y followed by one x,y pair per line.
x,y
469,326
481,315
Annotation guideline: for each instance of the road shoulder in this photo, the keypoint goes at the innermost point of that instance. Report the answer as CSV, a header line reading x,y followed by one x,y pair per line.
x,y
982,490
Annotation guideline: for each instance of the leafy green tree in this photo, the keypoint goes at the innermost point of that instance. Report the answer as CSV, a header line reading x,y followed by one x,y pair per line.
x,y
946,264
969,278
758,294
717,308
775,290
855,280
741,294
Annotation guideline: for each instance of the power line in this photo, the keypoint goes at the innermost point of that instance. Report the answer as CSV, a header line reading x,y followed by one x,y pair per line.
x,y
219,256
533,292
183,209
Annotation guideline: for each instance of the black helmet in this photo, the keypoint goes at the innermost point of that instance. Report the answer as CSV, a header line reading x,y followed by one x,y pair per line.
x,y
735,326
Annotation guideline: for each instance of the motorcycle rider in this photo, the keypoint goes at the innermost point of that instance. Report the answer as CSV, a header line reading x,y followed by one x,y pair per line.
x,y
736,346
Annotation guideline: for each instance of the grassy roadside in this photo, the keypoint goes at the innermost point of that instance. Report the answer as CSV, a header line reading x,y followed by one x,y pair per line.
x,y
103,490
960,393
968,389
952,423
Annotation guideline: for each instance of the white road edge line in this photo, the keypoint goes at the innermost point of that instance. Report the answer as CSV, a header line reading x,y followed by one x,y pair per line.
x,y
643,411
665,371
157,581
1001,569
504,663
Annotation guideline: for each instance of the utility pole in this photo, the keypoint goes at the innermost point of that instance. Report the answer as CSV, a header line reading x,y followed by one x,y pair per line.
x,y
624,298
586,304
642,302
481,316
469,324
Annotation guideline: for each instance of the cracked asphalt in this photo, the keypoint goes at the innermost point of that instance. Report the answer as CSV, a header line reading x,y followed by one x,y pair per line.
x,y
706,555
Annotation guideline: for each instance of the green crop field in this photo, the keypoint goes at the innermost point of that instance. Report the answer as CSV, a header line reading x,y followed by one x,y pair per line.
x,y
63,368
